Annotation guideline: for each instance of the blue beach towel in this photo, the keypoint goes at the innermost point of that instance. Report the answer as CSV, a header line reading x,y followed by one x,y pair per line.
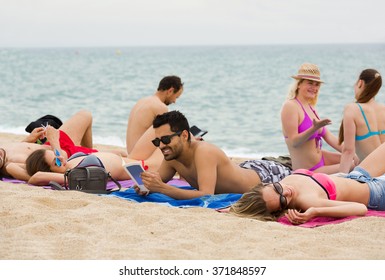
x,y
217,201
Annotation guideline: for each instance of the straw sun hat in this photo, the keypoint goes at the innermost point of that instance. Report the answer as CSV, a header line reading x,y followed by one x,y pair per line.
x,y
308,71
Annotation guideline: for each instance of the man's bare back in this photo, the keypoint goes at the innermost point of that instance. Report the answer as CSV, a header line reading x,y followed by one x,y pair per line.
x,y
141,117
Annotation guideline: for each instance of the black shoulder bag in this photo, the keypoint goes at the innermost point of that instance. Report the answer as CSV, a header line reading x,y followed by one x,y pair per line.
x,y
91,179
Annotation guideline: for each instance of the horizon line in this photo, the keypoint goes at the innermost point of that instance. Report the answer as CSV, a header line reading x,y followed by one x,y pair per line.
x,y
191,45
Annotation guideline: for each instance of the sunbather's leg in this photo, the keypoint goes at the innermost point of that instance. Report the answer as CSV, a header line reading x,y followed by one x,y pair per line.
x,y
144,148
79,128
374,162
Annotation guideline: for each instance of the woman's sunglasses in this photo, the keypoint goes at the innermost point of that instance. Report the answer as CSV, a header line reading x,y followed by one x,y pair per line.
x,y
57,160
282,199
165,139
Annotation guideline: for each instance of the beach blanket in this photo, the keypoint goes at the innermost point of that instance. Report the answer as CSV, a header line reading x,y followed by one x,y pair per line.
x,y
321,221
217,201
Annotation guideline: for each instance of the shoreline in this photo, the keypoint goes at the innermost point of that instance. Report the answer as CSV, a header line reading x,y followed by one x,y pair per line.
x,y
41,224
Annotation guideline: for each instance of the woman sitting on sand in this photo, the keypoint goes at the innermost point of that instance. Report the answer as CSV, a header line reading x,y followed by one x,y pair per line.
x,y
302,127
307,195
363,125
42,165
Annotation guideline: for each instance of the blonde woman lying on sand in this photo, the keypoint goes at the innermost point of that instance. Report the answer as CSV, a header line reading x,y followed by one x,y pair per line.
x,y
42,165
304,130
363,126
306,195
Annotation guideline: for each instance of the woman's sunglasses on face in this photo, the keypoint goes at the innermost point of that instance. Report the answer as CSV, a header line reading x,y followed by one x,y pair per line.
x,y
165,139
57,160
282,199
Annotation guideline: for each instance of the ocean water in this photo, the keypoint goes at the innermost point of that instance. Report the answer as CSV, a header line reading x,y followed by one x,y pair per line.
x,y
234,92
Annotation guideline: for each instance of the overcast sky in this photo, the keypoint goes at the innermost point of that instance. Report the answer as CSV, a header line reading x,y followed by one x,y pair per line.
x,y
77,23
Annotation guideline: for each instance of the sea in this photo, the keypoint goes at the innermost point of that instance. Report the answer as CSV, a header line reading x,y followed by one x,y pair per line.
x,y
233,92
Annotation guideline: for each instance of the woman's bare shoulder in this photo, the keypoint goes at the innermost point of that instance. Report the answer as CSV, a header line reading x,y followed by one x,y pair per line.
x,y
289,108
290,104
351,108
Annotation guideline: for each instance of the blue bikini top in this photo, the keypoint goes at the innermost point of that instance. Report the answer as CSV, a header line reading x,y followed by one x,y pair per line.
x,y
370,133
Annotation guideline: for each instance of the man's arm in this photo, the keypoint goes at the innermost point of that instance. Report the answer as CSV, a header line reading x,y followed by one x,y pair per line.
x,y
17,171
206,177
153,182
37,133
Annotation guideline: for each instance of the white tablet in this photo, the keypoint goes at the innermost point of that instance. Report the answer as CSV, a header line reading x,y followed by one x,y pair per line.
x,y
134,169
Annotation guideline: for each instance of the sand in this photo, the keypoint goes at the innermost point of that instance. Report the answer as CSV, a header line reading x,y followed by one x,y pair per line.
x,y
41,224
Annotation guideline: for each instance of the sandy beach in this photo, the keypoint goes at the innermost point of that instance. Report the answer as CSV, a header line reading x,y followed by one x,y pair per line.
x,y
41,224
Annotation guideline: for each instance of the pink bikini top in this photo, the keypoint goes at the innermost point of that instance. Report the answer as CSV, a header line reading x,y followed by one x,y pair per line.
x,y
307,123
322,180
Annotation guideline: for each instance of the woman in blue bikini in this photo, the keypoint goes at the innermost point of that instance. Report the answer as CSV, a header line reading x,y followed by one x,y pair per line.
x,y
302,127
363,125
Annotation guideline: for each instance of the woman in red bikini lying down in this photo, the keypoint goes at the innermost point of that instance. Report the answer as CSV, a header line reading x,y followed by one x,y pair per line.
x,y
304,130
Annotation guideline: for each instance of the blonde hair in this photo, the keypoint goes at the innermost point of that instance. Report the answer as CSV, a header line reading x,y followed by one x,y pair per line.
x,y
293,91
252,205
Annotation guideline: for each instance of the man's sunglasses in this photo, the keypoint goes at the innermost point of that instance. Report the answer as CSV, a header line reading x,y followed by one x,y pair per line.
x,y
165,139
282,199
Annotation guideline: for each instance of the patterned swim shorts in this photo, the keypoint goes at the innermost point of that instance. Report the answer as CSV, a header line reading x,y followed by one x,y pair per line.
x,y
269,171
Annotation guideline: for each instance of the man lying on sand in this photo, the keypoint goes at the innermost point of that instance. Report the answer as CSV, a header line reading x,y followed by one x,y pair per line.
x,y
203,165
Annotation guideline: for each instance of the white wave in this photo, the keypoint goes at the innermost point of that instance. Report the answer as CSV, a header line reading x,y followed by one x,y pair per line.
x,y
13,130
109,140
242,152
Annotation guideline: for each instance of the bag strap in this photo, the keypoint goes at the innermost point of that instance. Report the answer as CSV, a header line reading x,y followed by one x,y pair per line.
x,y
115,181
56,186
65,179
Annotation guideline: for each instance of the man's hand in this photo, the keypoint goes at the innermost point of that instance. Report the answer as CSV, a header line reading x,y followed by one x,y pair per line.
x,y
140,192
152,181
37,133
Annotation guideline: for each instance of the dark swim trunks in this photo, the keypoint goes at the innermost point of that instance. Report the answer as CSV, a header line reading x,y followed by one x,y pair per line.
x,y
269,171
